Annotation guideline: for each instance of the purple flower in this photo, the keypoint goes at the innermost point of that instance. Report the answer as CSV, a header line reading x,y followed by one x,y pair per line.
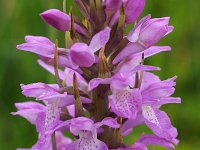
x,y
103,87
125,102
154,140
112,6
130,62
146,140
59,20
128,103
29,110
155,93
44,118
83,55
86,129
44,48
120,80
50,93
146,33
132,10
149,31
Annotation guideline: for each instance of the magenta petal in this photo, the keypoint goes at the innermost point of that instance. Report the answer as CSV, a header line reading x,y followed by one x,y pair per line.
x,y
37,48
133,9
88,143
153,30
29,110
159,123
29,105
52,96
166,100
148,79
52,115
132,61
130,49
38,39
57,19
134,34
97,81
100,39
50,69
110,122
154,140
82,55
160,89
169,29
125,102
112,6
39,89
155,50
29,114
144,68
80,124
44,48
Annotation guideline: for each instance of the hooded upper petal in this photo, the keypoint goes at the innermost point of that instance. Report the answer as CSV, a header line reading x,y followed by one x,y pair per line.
x,y
112,6
82,55
149,31
57,19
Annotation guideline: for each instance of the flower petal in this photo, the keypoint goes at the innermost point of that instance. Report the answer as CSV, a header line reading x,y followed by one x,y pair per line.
x,y
100,39
110,122
154,140
133,35
82,55
97,81
130,49
159,123
133,9
57,19
125,102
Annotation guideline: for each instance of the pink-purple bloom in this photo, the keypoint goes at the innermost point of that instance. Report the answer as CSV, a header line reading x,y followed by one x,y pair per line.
x,y
83,55
59,20
103,87
132,9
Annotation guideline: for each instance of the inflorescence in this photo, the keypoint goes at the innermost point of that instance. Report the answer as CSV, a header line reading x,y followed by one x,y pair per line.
x,y
103,88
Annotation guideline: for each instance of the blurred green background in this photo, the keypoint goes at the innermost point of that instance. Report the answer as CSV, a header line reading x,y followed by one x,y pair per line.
x,y
20,17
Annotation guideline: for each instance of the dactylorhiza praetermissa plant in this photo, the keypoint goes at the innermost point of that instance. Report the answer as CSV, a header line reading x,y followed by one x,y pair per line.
x,y
104,89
